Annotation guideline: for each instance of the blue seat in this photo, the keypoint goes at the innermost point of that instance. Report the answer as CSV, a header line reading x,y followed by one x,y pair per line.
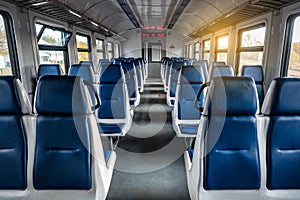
x,y
139,72
63,163
114,112
86,72
143,68
163,68
132,83
227,146
167,74
173,79
256,72
14,106
188,62
69,158
49,69
204,67
218,71
282,108
185,116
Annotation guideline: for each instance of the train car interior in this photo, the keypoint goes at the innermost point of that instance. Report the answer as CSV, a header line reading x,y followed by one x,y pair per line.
x,y
149,99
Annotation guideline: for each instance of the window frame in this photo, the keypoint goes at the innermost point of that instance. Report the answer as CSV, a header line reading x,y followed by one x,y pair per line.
x,y
11,43
206,51
110,51
63,48
288,38
195,50
89,43
103,48
221,50
249,49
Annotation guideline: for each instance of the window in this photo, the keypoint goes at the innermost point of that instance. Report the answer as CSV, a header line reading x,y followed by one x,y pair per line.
x,y
110,50
197,51
190,51
206,50
8,52
222,48
117,51
251,46
52,44
83,47
291,56
100,48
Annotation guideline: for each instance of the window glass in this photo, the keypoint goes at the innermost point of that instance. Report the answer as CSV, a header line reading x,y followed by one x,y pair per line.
x,y
222,57
5,64
251,49
190,51
294,57
110,50
206,45
253,38
223,42
197,47
52,57
82,42
52,45
99,45
117,51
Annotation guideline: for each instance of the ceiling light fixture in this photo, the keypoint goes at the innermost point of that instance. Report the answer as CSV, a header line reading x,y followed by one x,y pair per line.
x,y
74,13
40,3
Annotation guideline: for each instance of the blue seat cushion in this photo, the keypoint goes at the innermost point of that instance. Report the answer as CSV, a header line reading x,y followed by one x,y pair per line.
x,y
110,128
190,129
191,153
132,102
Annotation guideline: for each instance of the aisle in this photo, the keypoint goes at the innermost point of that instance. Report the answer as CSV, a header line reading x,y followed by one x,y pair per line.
x,y
150,161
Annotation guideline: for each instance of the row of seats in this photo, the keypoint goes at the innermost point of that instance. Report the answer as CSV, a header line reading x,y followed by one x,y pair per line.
x,y
118,87
186,81
55,152
239,154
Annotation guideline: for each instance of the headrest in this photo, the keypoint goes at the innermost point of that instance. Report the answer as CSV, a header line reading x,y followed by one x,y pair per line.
x,y
203,66
191,75
83,70
188,62
282,97
118,61
86,63
49,69
112,74
14,99
104,60
222,71
62,95
254,71
232,96
177,65
137,63
127,65
217,64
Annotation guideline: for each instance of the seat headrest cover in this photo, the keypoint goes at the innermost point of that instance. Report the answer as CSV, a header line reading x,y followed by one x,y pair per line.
x,y
232,96
222,71
217,64
177,65
282,97
191,74
254,71
49,69
112,74
83,70
62,95
14,99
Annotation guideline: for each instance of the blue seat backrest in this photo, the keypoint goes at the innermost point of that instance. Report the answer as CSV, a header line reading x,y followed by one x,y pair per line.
x,y
174,73
13,145
132,80
112,93
225,70
118,61
204,67
231,145
282,106
83,70
190,81
62,160
188,62
256,72
49,69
